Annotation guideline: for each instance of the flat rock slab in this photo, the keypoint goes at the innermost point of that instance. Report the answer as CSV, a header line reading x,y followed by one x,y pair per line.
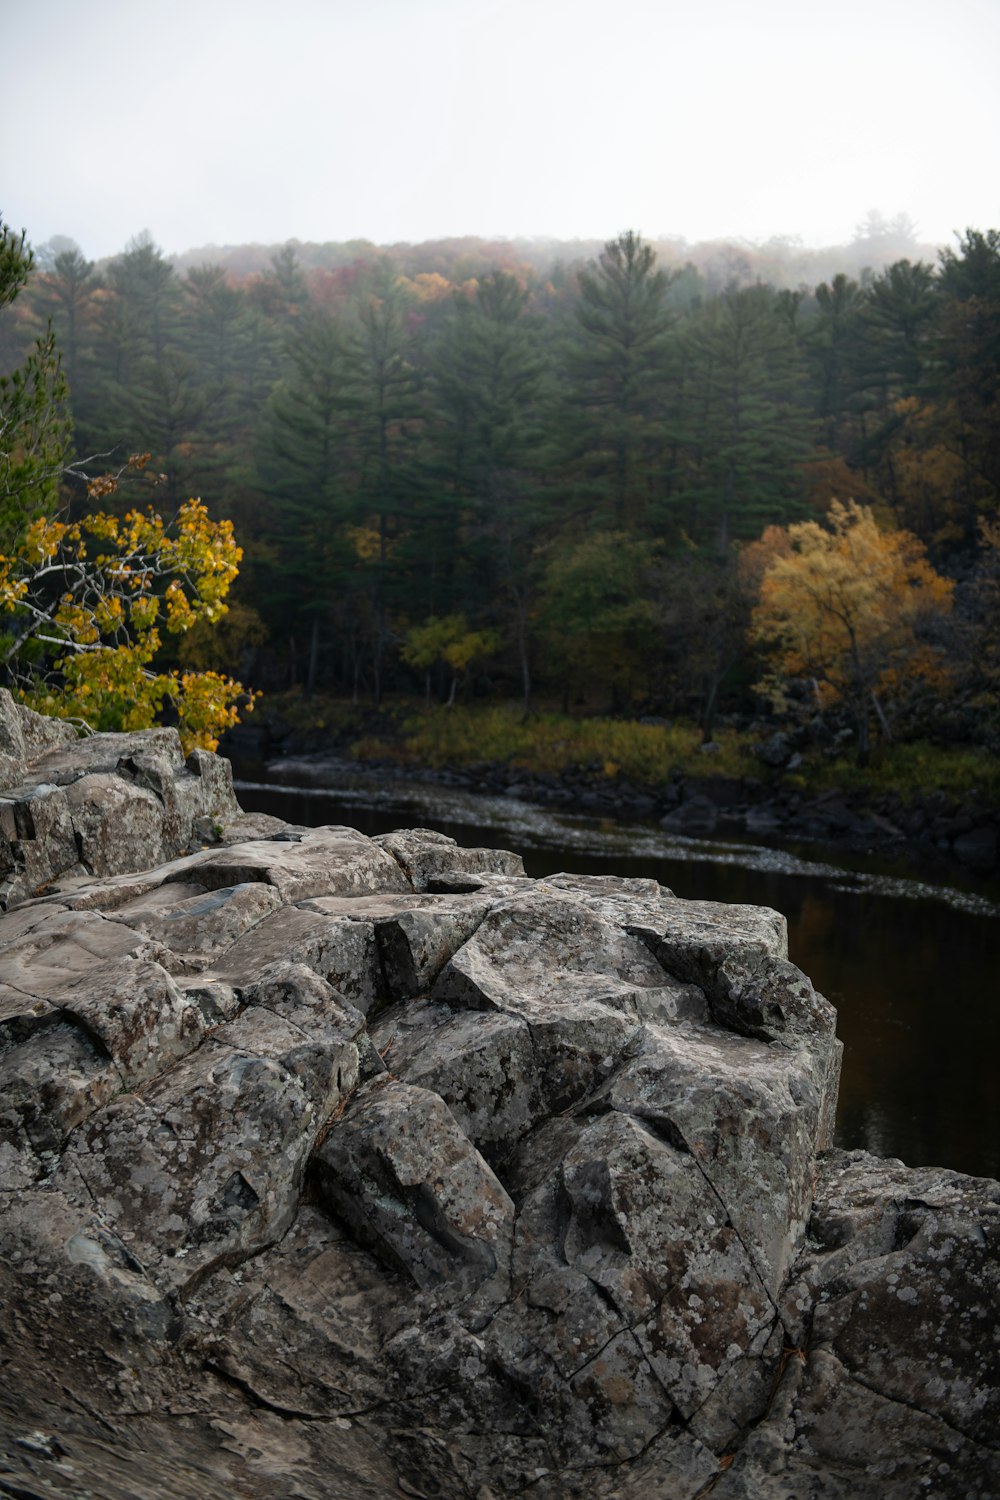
x,y
197,924
319,862
433,861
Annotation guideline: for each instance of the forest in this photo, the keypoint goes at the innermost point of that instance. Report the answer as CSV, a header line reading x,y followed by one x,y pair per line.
x,y
614,482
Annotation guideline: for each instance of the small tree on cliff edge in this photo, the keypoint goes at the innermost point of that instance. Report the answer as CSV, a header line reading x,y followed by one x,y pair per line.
x,y
84,600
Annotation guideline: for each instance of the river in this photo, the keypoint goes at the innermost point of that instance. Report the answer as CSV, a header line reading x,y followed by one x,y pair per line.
x,y
910,964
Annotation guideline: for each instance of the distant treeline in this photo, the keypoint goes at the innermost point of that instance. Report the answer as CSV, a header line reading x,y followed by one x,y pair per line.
x,y
783,261
527,475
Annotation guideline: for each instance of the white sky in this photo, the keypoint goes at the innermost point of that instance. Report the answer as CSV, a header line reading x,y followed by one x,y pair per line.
x,y
227,121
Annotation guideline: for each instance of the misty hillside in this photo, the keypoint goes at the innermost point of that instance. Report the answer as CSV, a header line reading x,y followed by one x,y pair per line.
x,y
782,261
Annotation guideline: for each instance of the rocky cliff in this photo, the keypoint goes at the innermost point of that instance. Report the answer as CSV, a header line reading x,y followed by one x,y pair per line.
x,y
337,1167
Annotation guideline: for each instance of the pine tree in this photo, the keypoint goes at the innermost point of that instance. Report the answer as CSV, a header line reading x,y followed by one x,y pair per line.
x,y
301,470
832,346
236,357
383,401
746,430
146,384
66,293
615,361
968,377
488,378
35,433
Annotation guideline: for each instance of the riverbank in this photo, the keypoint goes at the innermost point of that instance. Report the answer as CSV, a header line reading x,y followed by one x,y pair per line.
x,y
768,786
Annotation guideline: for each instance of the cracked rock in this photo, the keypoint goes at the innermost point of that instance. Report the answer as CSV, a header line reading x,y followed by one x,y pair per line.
x,y
339,1167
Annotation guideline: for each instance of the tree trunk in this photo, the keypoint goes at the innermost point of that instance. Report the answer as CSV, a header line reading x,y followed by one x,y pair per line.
x,y
522,651
708,712
883,721
864,741
313,657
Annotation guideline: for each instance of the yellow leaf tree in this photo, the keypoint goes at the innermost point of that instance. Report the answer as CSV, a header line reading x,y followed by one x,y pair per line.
x,y
87,603
844,610
449,640
84,601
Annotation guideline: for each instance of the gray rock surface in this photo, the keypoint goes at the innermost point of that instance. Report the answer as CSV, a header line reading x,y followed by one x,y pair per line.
x,y
337,1167
103,805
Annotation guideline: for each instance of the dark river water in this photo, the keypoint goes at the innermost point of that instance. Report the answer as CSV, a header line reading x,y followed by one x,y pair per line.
x,y
911,965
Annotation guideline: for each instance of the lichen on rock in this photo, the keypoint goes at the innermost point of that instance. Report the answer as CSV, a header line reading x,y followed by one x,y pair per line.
x,y
333,1167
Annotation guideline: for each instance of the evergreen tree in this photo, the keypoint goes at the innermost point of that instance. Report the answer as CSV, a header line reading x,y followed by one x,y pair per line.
x,y
383,401
746,429
488,379
35,433
66,294
969,364
282,293
163,408
140,362
16,259
898,317
612,419
236,359
145,282
900,307
832,346
302,473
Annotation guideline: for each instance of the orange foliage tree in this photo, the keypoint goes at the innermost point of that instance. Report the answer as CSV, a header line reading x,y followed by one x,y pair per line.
x,y
979,633
931,484
844,609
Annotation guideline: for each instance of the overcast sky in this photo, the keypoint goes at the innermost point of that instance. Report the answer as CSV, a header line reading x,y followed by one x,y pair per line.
x,y
226,121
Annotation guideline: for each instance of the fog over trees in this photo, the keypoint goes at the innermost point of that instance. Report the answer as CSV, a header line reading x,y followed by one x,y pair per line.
x,y
559,454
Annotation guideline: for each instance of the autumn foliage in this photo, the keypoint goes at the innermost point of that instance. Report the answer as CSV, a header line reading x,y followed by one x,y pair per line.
x,y
451,642
844,611
89,602
491,473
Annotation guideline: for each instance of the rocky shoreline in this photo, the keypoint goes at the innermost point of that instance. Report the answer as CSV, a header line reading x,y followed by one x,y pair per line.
x,y
934,829
339,1168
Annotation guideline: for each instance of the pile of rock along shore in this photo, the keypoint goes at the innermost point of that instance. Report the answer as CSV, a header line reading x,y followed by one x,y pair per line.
x,y
935,826
346,1167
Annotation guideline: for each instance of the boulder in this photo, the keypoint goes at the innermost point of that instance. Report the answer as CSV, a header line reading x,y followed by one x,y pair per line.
x,y
404,1175
891,1381
776,751
433,861
102,805
697,814
977,848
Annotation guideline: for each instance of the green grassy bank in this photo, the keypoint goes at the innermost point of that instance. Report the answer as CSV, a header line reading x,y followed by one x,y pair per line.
x,y
461,737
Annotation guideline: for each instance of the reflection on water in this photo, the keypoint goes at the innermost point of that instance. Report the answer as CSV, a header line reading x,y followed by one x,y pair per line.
x,y
910,965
